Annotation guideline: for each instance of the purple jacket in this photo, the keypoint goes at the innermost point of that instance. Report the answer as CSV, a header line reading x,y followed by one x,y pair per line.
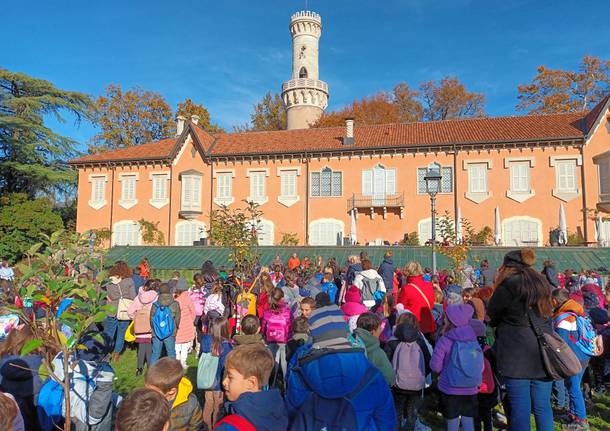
x,y
442,355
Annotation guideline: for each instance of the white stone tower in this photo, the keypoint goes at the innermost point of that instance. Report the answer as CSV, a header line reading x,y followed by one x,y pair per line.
x,y
305,96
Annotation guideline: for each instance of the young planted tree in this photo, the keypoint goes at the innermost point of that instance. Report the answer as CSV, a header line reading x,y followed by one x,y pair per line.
x,y
237,229
72,305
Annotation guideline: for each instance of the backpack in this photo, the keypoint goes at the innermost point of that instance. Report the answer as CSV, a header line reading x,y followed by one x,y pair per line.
x,y
198,298
50,402
488,384
588,341
465,366
236,422
163,321
369,287
141,321
409,367
277,329
330,414
207,369
246,302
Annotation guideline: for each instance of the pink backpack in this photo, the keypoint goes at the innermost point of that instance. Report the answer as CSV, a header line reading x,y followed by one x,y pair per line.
x,y
277,326
198,298
488,384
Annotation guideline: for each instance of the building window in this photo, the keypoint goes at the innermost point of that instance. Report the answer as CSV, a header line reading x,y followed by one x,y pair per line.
x,y
326,232
258,186
477,178
303,73
224,186
326,183
98,191
128,190
187,232
379,182
289,194
424,231
604,179
264,232
160,194
191,192
521,232
126,233
446,180
520,177
565,174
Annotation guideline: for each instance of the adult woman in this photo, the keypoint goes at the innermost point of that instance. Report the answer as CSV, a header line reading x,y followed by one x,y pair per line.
x,y
521,291
121,286
417,296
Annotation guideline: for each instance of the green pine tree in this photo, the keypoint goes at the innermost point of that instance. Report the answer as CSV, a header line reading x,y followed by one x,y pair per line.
x,y
32,156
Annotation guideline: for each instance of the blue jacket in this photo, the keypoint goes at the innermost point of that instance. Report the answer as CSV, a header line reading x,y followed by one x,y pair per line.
x,y
330,288
351,273
206,346
386,271
334,375
265,410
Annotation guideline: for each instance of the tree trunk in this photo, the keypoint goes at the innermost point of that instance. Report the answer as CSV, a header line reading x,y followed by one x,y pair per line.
x,y
66,384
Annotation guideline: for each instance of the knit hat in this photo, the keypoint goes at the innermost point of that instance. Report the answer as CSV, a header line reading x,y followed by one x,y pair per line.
x,y
352,294
328,328
590,299
454,298
519,258
459,314
453,288
322,300
599,316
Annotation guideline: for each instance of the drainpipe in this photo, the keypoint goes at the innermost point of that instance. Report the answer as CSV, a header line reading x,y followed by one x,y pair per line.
x,y
211,196
455,190
306,199
111,202
169,214
584,194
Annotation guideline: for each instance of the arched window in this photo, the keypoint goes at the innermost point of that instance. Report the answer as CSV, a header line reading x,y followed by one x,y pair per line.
x,y
424,231
521,231
126,232
303,73
326,232
265,232
189,231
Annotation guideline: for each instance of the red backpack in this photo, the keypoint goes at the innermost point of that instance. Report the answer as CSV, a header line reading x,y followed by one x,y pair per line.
x,y
488,384
238,423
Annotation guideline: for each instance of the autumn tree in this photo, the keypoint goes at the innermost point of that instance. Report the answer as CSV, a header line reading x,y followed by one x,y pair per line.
x,y
409,106
554,91
448,99
377,109
32,156
269,114
187,109
130,118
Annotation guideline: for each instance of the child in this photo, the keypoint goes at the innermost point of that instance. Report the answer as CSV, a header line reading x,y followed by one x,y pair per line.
x,y
165,312
166,377
458,340
144,409
307,306
176,282
197,294
277,278
488,391
216,342
248,368
139,311
368,330
300,334
353,306
186,329
213,304
410,358
291,290
469,297
277,322
250,331
328,286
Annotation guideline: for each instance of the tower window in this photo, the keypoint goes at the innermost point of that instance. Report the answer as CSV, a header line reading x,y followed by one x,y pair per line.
x,y
303,73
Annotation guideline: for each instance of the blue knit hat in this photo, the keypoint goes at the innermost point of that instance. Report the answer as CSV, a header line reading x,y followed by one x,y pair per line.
x,y
328,328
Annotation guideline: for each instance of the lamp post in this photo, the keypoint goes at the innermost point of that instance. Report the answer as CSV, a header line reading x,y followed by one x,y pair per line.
x,y
433,186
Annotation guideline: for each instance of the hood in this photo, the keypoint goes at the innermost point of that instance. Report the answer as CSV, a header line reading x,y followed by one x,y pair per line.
x,y
463,333
185,387
370,273
265,409
406,333
147,297
248,339
388,260
459,314
16,372
353,295
166,299
479,327
570,306
370,341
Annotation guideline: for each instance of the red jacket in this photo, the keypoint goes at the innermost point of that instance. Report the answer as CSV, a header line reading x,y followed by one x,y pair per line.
x,y
414,301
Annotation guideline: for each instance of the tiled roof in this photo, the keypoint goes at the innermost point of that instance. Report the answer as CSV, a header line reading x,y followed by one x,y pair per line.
x,y
590,118
433,133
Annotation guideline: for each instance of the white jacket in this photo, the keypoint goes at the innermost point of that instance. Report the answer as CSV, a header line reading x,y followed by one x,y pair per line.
x,y
214,303
370,274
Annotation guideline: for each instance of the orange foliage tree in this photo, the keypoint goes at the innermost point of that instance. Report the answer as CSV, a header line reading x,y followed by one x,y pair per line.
x,y
188,108
555,91
448,99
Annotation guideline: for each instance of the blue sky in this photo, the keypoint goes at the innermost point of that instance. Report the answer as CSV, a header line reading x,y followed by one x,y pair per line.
x,y
227,54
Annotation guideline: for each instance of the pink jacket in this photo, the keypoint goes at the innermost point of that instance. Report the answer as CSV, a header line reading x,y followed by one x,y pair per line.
x,y
186,329
353,306
198,298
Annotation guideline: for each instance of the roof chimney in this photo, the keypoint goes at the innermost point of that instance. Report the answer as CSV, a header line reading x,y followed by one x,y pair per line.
x,y
179,125
195,119
348,139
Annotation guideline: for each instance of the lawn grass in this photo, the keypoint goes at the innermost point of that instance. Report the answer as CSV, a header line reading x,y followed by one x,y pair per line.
x,y
126,380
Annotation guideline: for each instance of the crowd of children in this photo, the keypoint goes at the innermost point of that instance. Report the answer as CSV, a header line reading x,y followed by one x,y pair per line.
x,y
312,346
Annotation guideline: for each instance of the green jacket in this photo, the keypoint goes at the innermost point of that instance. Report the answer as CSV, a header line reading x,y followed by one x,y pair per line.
x,y
376,355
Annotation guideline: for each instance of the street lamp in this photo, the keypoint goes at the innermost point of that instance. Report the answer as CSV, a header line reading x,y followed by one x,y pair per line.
x,y
433,186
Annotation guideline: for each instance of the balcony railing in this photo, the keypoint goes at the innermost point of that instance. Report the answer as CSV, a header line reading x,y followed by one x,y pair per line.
x,y
305,83
376,201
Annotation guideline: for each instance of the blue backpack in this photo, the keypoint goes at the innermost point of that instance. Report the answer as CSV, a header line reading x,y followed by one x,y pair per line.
x,y
50,401
465,366
330,414
163,321
587,336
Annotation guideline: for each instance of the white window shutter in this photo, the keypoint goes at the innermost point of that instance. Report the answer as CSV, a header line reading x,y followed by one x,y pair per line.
x,y
367,182
390,181
604,177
